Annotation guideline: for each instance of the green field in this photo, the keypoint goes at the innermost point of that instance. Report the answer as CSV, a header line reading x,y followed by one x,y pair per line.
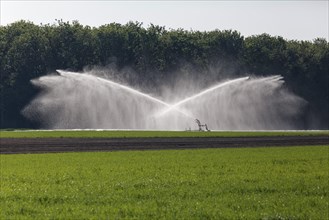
x,y
240,183
134,133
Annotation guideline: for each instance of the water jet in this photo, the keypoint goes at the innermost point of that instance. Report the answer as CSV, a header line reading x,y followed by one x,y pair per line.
x,y
71,100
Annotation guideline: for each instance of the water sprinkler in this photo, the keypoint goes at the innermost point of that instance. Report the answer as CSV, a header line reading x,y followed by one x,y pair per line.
x,y
201,125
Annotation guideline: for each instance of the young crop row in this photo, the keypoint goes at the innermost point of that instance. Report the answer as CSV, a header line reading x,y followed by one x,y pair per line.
x,y
254,183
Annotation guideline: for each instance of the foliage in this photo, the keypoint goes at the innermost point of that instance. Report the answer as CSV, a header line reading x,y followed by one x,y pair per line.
x,y
146,134
255,183
28,51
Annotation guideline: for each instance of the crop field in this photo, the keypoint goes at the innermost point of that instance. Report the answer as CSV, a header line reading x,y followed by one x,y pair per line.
x,y
147,134
236,183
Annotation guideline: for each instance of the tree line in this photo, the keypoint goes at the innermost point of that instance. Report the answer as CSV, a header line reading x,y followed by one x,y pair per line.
x,y
28,51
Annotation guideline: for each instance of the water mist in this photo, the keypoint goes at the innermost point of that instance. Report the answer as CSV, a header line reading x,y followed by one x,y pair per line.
x,y
83,100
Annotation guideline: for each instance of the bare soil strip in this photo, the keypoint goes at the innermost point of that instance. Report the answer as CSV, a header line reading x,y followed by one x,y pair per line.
x,y
48,145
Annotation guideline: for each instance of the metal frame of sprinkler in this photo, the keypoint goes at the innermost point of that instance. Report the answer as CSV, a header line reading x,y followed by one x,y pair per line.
x,y
201,125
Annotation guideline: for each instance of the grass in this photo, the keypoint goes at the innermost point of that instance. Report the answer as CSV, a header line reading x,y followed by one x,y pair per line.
x,y
141,134
240,183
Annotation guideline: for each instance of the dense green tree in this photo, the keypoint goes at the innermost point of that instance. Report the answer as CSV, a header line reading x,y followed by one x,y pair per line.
x,y
264,54
72,45
111,43
28,51
22,58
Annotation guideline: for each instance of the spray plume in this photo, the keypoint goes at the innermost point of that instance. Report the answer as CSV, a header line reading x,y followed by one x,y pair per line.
x,y
83,100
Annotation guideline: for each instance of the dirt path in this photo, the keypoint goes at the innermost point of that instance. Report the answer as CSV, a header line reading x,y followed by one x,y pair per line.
x,y
48,145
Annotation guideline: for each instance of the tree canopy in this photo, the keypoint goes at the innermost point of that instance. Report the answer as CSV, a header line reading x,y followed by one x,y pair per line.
x,y
28,51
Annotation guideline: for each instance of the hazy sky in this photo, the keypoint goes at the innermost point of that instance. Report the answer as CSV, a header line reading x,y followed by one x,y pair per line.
x,y
301,20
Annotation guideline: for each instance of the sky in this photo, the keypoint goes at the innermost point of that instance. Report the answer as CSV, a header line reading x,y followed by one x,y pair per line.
x,y
293,20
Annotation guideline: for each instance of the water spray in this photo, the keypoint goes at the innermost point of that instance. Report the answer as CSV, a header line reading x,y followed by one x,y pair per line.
x,y
72,100
204,92
134,91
